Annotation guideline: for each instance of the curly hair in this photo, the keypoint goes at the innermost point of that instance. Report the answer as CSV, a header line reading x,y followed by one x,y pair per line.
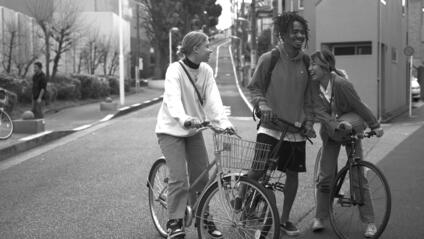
x,y
284,23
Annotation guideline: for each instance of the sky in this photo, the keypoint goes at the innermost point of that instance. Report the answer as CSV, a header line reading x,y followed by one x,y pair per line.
x,y
224,21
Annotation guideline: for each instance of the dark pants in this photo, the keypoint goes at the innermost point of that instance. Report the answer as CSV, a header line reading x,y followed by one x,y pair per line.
x,y
37,109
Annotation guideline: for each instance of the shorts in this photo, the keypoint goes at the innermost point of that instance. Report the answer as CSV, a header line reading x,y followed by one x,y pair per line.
x,y
292,155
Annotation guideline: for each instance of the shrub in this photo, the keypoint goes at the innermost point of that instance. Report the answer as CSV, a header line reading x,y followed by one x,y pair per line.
x,y
66,87
92,87
113,84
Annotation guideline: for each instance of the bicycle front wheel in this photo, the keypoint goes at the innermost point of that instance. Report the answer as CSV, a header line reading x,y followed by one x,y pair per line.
x,y
6,125
158,191
359,196
254,216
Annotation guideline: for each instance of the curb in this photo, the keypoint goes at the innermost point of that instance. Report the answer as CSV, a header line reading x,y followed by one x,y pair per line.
x,y
45,137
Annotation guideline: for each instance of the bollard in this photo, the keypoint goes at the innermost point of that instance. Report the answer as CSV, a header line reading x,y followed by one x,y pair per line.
x,y
108,105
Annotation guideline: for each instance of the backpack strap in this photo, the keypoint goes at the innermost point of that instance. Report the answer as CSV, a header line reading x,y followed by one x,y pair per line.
x,y
275,55
192,82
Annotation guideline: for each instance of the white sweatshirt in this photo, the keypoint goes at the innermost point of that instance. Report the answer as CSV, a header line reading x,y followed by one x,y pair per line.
x,y
180,101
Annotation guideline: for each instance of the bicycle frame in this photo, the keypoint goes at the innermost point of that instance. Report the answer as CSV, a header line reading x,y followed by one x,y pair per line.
x,y
217,173
352,160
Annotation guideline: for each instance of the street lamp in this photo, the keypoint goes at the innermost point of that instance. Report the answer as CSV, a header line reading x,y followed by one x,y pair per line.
x,y
174,29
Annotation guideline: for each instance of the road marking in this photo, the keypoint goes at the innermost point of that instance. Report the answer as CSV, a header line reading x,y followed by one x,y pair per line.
x,y
106,118
135,105
124,108
35,136
83,127
237,82
217,57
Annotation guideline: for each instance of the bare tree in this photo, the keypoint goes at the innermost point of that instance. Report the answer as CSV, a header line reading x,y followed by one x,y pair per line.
x,y
10,41
91,52
64,27
42,11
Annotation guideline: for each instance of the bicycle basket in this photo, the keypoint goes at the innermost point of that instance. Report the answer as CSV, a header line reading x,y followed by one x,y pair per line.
x,y
241,154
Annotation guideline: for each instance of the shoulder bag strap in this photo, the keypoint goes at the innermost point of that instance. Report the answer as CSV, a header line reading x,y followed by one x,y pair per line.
x,y
191,80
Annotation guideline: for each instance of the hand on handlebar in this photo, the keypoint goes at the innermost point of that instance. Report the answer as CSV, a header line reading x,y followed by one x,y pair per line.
x,y
266,113
378,132
194,123
309,132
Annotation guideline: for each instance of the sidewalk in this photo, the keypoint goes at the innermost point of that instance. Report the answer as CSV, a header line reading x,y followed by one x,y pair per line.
x,y
74,119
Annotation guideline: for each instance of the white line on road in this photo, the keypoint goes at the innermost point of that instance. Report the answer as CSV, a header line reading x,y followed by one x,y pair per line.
x,y
107,117
35,136
124,108
83,127
237,82
135,105
217,57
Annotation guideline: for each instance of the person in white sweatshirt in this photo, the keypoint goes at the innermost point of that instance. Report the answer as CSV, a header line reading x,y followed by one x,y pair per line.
x,y
191,96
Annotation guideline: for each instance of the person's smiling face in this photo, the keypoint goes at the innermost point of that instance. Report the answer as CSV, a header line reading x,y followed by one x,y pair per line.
x,y
296,36
315,70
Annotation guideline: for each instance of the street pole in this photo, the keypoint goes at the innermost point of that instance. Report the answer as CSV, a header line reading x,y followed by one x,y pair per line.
x,y
253,47
121,57
173,29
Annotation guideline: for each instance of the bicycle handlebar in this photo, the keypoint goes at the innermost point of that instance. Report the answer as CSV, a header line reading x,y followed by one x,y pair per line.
x,y
207,125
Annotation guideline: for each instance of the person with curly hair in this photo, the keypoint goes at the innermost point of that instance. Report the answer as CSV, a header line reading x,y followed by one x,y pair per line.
x,y
282,96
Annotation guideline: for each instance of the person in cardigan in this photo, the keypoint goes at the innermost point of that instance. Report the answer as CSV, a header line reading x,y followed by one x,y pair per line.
x,y
183,146
333,97
284,97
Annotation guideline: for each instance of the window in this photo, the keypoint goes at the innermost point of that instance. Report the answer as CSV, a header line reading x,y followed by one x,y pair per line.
x,y
349,48
300,4
394,55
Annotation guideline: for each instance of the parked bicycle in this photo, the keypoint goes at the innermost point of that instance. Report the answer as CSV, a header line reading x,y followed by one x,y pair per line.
x,y
257,219
348,194
6,123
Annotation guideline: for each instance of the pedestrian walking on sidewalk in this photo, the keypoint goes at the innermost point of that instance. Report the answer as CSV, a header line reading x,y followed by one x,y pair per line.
x,y
283,94
191,96
420,79
335,99
39,84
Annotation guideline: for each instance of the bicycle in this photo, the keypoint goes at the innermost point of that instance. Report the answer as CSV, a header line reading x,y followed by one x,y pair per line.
x,y
346,199
6,123
255,220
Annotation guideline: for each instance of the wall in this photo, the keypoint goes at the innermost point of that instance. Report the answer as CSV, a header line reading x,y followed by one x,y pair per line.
x,y
339,21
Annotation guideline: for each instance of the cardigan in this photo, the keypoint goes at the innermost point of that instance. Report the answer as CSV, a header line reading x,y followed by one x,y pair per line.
x,y
345,100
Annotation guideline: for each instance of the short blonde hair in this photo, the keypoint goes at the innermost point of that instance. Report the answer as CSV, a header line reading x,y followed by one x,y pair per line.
x,y
191,40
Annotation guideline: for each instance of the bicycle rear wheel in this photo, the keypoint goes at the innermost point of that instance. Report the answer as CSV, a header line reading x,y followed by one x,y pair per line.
x,y
6,125
351,211
158,191
257,217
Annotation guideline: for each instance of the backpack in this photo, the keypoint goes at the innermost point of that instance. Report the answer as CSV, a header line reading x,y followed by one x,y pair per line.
x,y
275,55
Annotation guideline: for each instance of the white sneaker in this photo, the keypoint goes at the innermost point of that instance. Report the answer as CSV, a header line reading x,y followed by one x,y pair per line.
x,y
317,225
370,231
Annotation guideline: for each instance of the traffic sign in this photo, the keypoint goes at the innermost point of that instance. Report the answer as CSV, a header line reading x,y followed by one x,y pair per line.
x,y
408,51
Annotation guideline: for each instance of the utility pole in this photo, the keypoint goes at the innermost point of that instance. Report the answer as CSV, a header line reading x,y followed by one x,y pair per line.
x,y
253,47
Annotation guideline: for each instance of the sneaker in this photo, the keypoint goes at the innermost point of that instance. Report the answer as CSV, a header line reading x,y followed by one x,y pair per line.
x,y
290,229
236,203
175,229
370,231
211,227
317,225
